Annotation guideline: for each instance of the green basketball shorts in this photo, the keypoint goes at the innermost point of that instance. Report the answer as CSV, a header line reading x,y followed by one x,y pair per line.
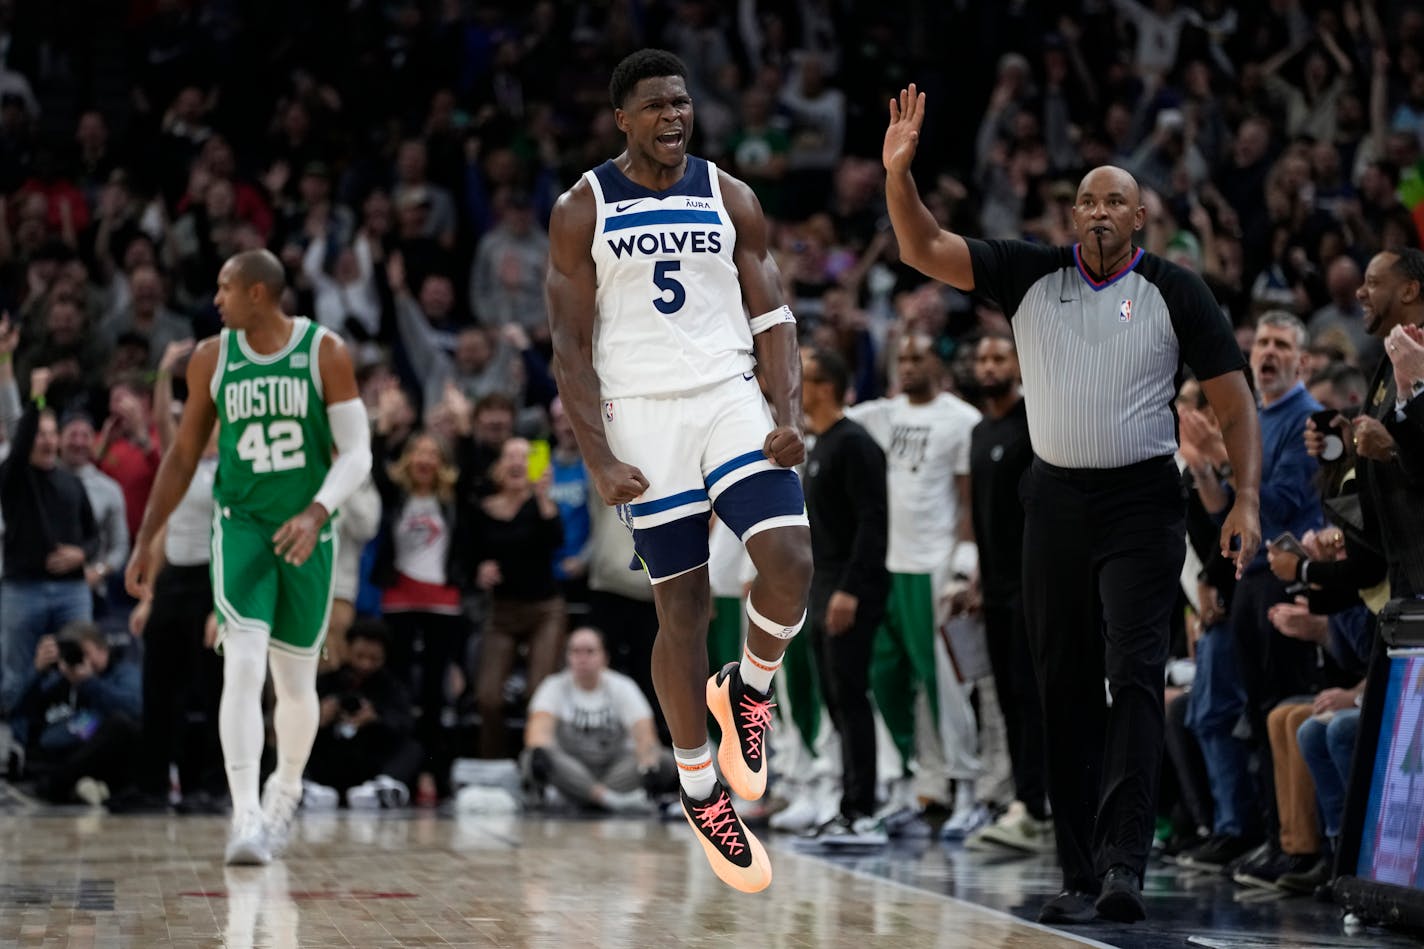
x,y
256,591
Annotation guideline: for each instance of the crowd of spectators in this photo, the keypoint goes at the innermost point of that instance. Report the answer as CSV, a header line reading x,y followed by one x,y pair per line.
x,y
401,158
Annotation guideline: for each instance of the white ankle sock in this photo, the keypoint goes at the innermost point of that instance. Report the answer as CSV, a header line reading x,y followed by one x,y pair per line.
x,y
963,795
757,672
694,771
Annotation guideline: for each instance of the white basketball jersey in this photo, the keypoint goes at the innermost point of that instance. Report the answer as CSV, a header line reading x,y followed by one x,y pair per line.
x,y
670,317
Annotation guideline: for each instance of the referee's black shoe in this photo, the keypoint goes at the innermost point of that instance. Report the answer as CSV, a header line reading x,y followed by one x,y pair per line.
x,y
1070,906
1121,899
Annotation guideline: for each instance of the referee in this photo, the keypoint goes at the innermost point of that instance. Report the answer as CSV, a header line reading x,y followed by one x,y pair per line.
x,y
1102,330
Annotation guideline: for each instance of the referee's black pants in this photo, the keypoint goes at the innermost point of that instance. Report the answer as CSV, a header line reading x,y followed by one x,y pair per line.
x,y
1103,552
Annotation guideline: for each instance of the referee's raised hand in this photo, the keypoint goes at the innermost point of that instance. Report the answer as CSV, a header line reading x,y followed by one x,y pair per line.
x,y
903,135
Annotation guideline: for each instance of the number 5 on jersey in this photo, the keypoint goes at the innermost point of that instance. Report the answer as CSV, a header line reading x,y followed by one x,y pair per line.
x,y
668,285
279,448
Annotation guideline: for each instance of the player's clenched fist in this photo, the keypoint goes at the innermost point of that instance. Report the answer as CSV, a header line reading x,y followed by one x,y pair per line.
x,y
619,483
785,446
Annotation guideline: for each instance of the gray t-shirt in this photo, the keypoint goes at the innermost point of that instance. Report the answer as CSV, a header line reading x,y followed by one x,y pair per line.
x,y
594,726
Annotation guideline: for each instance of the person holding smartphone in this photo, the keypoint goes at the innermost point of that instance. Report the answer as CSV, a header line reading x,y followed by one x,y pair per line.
x,y
513,534
1274,667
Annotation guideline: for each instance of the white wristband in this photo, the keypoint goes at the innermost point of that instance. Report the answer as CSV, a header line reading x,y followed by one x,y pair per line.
x,y
782,314
964,562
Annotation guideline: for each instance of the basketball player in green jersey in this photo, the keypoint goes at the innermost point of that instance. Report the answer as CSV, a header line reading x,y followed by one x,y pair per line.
x,y
293,443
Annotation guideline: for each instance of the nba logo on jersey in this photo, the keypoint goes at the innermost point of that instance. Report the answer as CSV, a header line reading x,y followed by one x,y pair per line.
x,y
1124,312
608,411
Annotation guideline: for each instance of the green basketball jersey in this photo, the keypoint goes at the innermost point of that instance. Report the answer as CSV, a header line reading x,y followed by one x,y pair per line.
x,y
274,440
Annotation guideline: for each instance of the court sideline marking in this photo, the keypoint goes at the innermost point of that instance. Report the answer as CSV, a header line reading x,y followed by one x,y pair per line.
x,y
986,910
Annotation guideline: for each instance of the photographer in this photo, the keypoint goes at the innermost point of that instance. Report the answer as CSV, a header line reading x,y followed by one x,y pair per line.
x,y
365,734
82,709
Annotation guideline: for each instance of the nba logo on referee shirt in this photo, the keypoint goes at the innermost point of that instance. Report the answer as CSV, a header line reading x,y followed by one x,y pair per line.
x,y
1124,312
608,411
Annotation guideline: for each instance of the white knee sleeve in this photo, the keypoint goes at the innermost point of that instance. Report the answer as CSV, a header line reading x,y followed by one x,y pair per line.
x,y
771,627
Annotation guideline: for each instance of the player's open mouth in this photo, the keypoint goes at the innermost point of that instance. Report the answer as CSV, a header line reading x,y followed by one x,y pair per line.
x,y
671,139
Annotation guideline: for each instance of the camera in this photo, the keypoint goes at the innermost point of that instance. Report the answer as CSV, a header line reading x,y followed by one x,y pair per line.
x,y
350,703
70,652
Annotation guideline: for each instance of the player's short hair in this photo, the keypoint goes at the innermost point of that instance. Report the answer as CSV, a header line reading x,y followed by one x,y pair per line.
x,y
644,64
261,266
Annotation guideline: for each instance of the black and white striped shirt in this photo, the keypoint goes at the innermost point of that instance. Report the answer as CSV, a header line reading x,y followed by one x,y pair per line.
x,y
1101,360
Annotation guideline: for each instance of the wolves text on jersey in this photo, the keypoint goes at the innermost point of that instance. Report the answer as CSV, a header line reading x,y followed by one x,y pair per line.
x,y
667,242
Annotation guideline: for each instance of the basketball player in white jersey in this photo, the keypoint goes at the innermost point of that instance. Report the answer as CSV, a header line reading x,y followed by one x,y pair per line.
x,y
925,434
656,260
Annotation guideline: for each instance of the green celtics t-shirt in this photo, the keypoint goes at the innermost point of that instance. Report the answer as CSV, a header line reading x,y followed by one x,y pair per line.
x,y
274,440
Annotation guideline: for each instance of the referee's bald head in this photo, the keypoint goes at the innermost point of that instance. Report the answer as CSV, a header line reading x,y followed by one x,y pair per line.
x,y
1109,179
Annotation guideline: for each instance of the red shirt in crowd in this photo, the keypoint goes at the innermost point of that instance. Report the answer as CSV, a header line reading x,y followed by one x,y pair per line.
x,y
134,469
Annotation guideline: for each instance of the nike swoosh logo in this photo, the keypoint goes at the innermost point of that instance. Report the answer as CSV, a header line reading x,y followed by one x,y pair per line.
x,y
234,366
620,208
749,375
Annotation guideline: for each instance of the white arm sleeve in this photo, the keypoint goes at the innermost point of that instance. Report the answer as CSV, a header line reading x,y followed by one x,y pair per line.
x,y
352,435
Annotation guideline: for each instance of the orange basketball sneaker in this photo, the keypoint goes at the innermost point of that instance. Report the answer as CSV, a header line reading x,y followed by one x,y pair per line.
x,y
738,858
744,716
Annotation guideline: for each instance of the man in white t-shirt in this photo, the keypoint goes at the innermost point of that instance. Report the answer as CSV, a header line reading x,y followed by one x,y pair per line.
x,y
924,433
590,733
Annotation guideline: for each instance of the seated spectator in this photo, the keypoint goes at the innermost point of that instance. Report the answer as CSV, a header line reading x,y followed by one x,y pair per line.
x,y
591,736
365,730
344,297
76,451
507,278
65,346
128,449
82,708
147,315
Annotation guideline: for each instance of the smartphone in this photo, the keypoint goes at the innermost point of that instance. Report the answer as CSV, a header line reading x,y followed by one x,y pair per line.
x,y
1334,444
1290,545
538,459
